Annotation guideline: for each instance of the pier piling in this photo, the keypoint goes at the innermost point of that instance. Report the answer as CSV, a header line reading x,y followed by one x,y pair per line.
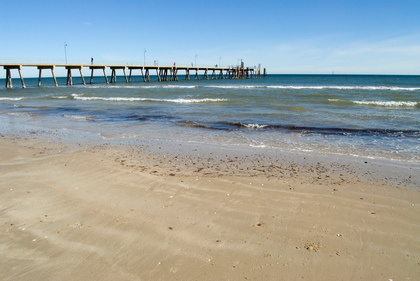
x,y
9,75
92,67
51,67
114,75
69,77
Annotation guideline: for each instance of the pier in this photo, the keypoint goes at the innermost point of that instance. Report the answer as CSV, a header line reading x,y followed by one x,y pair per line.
x,y
163,73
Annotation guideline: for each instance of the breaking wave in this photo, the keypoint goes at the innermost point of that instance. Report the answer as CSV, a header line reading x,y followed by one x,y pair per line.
x,y
132,99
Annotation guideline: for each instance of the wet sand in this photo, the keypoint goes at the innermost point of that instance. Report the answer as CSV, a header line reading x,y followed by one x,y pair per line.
x,y
77,211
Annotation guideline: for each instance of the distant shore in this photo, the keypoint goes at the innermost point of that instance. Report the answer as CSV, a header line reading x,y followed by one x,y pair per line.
x,y
166,211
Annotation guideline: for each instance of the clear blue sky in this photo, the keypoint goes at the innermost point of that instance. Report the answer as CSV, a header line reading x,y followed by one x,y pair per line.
x,y
299,36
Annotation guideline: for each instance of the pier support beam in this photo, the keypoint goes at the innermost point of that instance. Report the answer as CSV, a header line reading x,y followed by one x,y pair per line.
x,y
221,74
114,76
69,78
163,73
131,68
8,79
142,74
9,76
158,73
92,67
174,74
213,74
146,76
41,67
205,75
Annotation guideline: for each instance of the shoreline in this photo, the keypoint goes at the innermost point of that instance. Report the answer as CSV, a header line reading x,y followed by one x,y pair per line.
x,y
109,211
227,160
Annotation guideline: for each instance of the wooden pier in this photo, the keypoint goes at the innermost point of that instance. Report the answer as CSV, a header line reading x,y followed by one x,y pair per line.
x,y
163,73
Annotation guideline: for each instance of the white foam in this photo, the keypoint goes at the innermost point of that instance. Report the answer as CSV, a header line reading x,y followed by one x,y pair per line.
x,y
254,126
122,99
20,114
193,100
235,87
345,88
143,87
388,103
80,117
177,87
261,145
8,98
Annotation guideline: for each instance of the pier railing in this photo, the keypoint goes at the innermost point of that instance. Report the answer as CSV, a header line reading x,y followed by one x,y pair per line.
x,y
163,73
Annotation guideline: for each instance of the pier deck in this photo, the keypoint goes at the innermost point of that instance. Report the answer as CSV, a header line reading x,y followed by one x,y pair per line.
x,y
163,73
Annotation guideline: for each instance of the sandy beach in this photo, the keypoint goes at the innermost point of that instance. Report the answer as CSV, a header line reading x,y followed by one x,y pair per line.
x,y
74,211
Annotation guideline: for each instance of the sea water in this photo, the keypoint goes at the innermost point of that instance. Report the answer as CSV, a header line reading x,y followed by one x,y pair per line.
x,y
361,115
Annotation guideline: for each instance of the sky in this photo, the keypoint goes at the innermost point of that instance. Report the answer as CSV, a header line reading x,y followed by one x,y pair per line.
x,y
285,37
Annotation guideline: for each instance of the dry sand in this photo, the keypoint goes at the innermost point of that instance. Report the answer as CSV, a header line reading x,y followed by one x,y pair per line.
x,y
154,213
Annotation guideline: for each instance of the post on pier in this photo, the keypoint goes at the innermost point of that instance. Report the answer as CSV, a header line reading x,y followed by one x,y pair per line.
x,y
205,75
69,77
187,74
213,74
164,74
131,68
114,74
41,67
158,73
125,75
21,77
142,74
8,79
221,74
9,76
147,75
81,75
92,67
174,74
106,77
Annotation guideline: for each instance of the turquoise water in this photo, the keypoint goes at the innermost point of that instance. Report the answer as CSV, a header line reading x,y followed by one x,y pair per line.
x,y
362,115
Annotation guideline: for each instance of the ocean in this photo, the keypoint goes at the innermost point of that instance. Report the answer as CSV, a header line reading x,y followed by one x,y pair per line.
x,y
374,116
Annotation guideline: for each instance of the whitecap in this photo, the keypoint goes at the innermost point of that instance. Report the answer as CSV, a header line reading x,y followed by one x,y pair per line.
x,y
254,126
122,99
9,98
25,114
80,117
388,103
345,88
236,87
